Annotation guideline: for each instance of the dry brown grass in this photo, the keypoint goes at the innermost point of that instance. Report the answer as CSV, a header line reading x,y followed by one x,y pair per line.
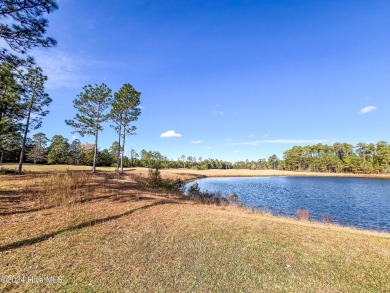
x,y
250,173
61,189
190,173
124,238
49,168
30,192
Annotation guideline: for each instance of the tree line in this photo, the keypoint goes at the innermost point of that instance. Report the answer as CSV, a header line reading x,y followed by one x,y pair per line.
x,y
336,158
339,157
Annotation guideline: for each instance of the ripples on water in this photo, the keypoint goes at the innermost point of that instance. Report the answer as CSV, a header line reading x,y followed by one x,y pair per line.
x,y
358,202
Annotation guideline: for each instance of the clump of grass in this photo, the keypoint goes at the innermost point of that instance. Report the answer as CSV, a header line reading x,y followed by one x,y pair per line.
x,y
6,171
303,215
326,218
62,188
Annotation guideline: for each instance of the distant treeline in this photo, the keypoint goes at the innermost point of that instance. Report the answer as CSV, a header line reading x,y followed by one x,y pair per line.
x,y
339,157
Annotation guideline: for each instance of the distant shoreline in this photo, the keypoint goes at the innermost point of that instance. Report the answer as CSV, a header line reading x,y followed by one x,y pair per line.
x,y
215,173
198,173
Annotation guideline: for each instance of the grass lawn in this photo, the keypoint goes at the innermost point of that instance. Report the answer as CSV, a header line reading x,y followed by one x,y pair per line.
x,y
122,237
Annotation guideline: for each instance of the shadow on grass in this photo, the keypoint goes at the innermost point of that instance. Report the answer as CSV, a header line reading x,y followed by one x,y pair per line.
x,y
14,199
26,211
19,202
35,240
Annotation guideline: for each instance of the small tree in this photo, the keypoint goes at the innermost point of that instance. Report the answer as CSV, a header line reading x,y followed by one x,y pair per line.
x,y
104,158
34,101
87,154
133,157
114,151
58,150
91,105
75,152
39,150
125,110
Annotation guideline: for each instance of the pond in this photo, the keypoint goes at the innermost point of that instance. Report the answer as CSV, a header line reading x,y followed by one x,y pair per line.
x,y
359,202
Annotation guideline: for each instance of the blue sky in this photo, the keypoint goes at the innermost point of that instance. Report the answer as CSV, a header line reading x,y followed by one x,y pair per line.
x,y
232,80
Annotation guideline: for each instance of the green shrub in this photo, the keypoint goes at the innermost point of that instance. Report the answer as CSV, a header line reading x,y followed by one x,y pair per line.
x,y
154,178
195,193
155,181
233,198
194,190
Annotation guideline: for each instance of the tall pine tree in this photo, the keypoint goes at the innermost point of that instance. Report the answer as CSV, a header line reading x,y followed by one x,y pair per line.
x,y
125,110
91,104
34,101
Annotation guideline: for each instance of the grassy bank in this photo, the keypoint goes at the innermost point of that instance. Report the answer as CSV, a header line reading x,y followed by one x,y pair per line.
x,y
122,237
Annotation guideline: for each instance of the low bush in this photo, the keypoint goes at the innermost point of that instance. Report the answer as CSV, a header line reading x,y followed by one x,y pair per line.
x,y
195,193
326,219
6,171
155,181
303,215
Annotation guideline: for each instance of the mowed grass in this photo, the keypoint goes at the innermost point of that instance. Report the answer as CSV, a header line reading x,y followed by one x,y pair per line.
x,y
124,238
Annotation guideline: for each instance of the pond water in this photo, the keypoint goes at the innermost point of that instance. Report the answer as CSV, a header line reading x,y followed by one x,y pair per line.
x,y
359,202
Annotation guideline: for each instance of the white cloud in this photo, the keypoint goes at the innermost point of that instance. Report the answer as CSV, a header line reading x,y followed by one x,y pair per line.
x,y
62,69
282,141
74,137
251,136
197,141
229,139
209,148
367,109
236,151
217,113
169,134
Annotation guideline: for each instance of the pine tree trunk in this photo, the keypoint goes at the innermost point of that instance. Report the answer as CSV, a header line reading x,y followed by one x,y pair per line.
x,y
20,167
96,139
119,146
95,152
123,148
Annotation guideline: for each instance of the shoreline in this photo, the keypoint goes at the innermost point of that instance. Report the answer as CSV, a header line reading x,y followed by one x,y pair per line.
x,y
218,173
212,173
